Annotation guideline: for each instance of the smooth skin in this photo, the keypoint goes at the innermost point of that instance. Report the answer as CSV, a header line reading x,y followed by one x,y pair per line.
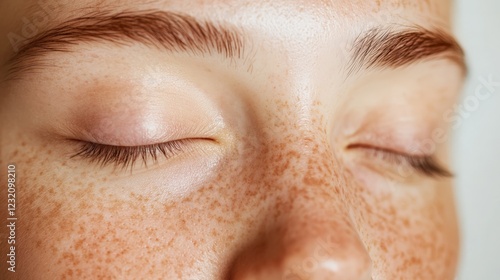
x,y
267,187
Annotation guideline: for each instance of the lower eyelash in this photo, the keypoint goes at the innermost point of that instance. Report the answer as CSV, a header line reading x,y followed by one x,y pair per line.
x,y
127,156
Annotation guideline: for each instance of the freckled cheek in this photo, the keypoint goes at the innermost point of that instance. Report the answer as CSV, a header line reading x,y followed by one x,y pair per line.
x,y
71,223
81,230
417,233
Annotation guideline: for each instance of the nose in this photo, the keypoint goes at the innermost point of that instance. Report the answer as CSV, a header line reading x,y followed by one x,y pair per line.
x,y
314,248
308,233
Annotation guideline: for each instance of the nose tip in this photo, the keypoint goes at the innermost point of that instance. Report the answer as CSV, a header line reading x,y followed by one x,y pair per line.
x,y
355,266
320,262
343,258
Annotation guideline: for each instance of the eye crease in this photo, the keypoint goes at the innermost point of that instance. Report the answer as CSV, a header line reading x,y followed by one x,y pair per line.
x,y
127,156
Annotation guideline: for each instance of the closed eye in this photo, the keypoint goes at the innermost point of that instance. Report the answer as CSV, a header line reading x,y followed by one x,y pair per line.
x,y
425,165
127,156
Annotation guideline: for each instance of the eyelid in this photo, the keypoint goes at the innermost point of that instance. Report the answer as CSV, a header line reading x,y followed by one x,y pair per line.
x,y
424,164
127,156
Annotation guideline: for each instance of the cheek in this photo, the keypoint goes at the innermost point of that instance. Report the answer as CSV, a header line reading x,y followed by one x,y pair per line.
x,y
79,231
410,233
73,225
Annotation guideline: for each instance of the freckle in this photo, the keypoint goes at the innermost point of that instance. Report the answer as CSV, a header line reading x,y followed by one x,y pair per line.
x,y
70,257
53,249
89,255
56,209
79,244
15,153
383,246
219,219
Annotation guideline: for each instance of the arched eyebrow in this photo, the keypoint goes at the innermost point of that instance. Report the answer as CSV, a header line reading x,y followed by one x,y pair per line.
x,y
387,48
159,29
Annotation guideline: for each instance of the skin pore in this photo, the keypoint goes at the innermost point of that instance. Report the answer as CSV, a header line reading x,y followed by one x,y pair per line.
x,y
290,159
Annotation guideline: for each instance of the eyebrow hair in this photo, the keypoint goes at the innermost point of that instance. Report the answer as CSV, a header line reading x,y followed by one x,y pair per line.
x,y
378,47
164,30
383,48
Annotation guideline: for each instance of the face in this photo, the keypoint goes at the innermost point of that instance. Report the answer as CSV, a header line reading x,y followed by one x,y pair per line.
x,y
223,139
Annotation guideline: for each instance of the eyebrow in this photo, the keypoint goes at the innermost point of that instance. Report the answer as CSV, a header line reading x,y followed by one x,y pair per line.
x,y
385,48
160,29
378,47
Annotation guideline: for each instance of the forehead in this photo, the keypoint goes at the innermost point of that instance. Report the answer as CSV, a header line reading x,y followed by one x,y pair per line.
x,y
322,9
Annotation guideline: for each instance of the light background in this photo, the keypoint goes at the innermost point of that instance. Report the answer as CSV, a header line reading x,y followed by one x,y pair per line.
x,y
477,142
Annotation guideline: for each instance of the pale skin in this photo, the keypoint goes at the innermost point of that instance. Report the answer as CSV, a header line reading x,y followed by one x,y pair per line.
x,y
272,182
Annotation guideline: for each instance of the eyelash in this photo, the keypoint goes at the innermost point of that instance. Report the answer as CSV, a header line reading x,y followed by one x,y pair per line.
x,y
425,165
127,156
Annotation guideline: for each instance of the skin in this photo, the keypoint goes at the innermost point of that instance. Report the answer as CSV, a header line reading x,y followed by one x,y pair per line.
x,y
275,195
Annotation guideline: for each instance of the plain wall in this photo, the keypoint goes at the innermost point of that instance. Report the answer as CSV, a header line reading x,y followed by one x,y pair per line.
x,y
477,140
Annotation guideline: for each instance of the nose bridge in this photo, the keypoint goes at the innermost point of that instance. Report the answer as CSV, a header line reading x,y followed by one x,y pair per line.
x,y
302,170
302,165
309,234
